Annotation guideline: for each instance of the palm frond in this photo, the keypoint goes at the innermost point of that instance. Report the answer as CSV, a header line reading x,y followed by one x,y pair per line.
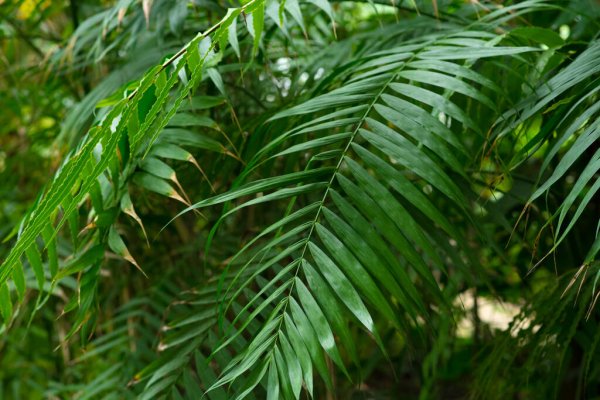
x,y
365,236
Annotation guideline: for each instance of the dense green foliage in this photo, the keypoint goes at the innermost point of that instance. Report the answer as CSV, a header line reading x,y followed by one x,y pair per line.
x,y
295,199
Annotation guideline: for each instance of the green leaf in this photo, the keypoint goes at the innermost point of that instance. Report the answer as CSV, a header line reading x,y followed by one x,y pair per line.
x,y
48,234
333,311
18,277
117,245
539,35
470,52
35,261
273,382
90,257
396,212
232,37
338,281
202,102
412,158
127,207
258,21
311,340
253,380
376,242
403,187
293,366
283,371
318,322
6,306
293,8
436,101
448,82
301,352
326,7
373,263
260,185
157,185
188,119
419,130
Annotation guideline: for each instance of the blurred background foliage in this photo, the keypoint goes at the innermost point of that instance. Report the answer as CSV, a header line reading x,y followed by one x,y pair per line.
x,y
518,321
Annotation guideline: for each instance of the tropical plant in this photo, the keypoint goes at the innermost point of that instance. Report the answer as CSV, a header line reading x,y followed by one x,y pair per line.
x,y
300,199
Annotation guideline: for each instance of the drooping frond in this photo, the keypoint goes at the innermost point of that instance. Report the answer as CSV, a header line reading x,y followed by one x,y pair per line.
x,y
361,180
100,168
362,237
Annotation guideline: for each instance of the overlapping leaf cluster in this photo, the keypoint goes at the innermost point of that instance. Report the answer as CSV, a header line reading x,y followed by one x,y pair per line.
x,y
349,182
